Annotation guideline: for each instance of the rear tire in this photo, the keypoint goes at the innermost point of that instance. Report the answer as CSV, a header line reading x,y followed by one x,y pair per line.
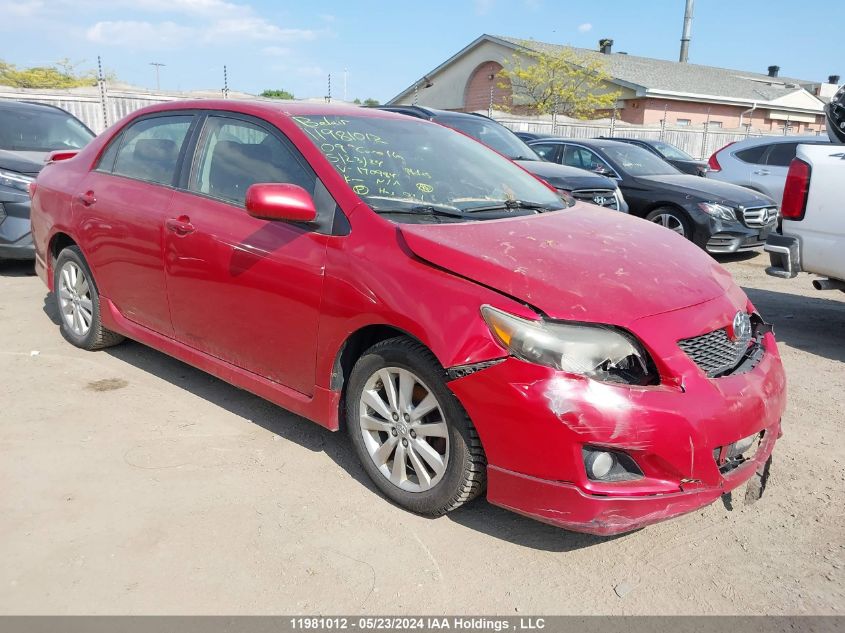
x,y
79,303
398,407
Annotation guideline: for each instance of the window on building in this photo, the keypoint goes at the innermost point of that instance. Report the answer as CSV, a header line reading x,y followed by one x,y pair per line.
x,y
684,122
715,124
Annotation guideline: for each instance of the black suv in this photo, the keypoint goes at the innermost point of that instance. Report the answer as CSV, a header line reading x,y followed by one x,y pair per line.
x,y
578,183
28,133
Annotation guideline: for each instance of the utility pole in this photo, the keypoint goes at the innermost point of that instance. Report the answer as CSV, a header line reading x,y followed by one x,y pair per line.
x,y
157,66
687,33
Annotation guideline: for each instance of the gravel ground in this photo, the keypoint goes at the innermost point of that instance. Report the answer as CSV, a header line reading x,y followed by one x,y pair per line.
x,y
132,483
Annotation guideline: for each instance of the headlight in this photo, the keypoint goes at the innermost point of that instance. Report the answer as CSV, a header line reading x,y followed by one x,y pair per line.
x,y
718,210
619,196
600,352
15,180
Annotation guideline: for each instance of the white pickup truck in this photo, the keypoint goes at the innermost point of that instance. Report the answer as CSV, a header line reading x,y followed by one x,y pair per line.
x,y
812,236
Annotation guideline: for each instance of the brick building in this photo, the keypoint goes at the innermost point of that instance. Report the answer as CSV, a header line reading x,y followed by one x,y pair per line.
x,y
686,94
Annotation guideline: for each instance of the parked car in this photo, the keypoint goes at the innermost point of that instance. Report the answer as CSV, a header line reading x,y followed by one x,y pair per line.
x,y
812,234
668,152
758,163
591,370
28,132
719,217
530,136
578,183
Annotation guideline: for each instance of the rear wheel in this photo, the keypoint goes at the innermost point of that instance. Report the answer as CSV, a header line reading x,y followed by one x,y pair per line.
x,y
79,303
672,219
413,437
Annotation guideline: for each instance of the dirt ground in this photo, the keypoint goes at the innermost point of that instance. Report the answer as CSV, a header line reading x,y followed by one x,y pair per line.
x,y
132,483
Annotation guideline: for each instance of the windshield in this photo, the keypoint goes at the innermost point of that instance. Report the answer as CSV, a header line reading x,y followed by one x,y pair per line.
x,y
637,161
41,131
670,151
491,134
410,166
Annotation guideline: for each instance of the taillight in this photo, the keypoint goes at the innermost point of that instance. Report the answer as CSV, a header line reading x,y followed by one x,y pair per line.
x,y
796,190
713,163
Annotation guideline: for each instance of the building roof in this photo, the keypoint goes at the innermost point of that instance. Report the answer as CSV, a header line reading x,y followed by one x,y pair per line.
x,y
670,79
665,75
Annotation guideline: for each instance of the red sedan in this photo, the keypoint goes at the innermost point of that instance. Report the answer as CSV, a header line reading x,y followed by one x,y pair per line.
x,y
391,276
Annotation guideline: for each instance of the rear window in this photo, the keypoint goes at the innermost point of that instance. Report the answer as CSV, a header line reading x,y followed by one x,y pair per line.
x,y
149,149
781,154
41,130
753,155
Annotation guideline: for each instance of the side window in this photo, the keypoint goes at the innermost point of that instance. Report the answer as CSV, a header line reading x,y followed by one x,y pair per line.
x,y
583,158
781,154
149,149
549,151
234,154
753,155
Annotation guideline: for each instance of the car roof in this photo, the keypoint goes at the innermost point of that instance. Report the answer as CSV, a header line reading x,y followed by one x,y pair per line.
x,y
262,107
769,140
599,143
429,113
31,106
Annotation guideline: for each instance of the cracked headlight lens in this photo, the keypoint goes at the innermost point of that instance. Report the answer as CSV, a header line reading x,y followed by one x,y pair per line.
x,y
600,352
718,210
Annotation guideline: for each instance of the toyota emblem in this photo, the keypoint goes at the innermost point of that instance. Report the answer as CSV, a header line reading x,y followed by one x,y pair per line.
x,y
740,328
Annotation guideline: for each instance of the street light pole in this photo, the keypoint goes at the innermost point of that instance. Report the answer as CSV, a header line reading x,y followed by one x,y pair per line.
x,y
157,66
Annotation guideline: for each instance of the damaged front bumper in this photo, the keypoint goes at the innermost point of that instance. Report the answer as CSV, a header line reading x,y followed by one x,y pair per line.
x,y
535,423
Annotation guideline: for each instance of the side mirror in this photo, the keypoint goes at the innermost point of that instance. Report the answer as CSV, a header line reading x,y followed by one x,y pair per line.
x,y
271,201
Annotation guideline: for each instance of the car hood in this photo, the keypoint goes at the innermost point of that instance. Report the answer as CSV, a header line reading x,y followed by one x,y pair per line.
x,y
22,162
707,190
583,263
564,177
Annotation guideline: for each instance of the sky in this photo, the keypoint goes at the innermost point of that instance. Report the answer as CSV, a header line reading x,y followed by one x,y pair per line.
x,y
382,47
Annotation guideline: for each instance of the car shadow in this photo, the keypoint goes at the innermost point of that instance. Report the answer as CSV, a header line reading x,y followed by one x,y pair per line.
x,y
812,324
16,268
479,515
740,256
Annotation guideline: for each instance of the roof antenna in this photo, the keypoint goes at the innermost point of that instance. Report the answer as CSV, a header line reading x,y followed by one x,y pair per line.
x,y
686,36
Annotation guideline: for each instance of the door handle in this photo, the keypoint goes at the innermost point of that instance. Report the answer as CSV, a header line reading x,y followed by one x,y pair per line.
x,y
181,225
87,198
762,172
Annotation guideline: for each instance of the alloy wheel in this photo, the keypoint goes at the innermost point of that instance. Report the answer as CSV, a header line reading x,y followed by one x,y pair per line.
x,y
75,302
404,429
670,222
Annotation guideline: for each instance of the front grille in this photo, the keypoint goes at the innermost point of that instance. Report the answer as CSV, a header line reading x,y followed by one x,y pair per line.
x,y
759,217
715,353
601,197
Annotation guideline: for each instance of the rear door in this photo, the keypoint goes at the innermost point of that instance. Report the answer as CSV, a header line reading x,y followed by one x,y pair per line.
x,y
245,290
122,206
771,177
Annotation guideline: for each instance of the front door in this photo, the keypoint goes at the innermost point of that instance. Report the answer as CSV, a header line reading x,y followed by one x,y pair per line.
x,y
244,290
123,204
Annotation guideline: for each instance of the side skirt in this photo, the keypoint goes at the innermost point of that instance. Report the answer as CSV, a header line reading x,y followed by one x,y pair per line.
x,y
321,408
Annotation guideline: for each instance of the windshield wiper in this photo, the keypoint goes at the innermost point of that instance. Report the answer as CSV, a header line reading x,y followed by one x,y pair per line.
x,y
443,210
509,205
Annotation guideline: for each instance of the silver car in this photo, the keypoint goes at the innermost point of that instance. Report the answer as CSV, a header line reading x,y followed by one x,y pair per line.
x,y
758,163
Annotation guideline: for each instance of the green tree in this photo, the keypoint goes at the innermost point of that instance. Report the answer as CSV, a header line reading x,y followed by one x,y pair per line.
x,y
565,82
371,102
277,94
62,74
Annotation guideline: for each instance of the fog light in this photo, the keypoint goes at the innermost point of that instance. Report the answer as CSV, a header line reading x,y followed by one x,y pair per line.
x,y
607,465
599,464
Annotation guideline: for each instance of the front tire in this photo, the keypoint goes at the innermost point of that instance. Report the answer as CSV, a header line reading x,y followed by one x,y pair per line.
x,y
413,437
672,219
79,303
